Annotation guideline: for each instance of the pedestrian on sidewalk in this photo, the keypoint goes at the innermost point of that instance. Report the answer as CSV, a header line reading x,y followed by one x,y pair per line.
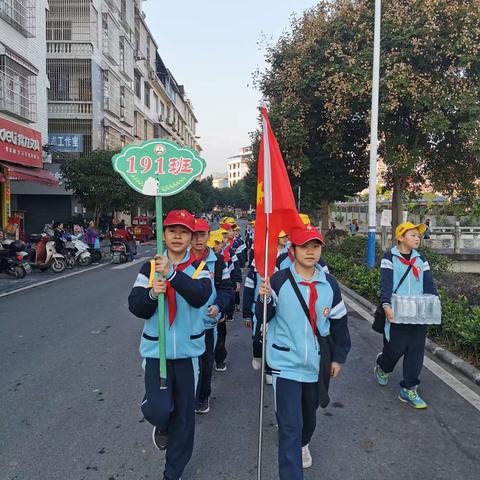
x,y
92,239
406,272
186,284
307,343
220,299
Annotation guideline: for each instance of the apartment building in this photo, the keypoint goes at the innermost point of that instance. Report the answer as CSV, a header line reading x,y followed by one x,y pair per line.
x,y
238,165
105,87
23,103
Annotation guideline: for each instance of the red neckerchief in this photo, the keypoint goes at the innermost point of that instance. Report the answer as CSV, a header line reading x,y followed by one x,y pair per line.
x,y
203,255
226,253
312,299
415,269
171,295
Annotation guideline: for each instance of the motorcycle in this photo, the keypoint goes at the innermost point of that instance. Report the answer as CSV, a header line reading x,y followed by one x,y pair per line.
x,y
43,255
118,251
76,251
12,259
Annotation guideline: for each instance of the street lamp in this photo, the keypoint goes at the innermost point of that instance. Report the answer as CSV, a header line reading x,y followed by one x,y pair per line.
x,y
372,194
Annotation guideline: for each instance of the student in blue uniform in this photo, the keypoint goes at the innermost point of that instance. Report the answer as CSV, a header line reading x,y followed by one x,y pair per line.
x,y
402,340
307,343
231,261
219,301
187,288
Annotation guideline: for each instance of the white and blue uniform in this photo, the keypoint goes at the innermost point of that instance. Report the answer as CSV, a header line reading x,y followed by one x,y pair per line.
x,y
173,409
300,359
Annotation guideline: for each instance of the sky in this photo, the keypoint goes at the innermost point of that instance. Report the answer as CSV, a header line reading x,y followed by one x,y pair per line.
x,y
212,47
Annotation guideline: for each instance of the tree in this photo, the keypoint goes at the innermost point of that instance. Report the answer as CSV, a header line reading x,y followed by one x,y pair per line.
x,y
319,89
187,199
101,190
328,165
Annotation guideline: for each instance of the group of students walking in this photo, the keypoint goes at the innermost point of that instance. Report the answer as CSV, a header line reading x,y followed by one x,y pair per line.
x,y
307,339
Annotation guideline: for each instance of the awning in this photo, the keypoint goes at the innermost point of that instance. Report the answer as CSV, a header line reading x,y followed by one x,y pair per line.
x,y
35,175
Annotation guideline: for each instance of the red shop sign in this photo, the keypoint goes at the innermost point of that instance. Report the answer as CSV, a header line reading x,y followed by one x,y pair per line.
x,y
19,144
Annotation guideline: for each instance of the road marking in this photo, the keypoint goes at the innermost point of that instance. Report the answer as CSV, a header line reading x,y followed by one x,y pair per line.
x,y
129,264
468,394
54,279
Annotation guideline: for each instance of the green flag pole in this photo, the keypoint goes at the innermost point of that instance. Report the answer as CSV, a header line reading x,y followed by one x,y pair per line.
x,y
161,297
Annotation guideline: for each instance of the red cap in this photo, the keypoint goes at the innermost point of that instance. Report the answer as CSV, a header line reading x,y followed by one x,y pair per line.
x,y
180,217
300,236
226,226
201,225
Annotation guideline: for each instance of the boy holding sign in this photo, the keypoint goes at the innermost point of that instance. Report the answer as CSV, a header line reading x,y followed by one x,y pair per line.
x,y
187,287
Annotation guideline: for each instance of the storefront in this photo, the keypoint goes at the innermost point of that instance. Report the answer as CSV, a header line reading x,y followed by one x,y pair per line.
x,y
20,159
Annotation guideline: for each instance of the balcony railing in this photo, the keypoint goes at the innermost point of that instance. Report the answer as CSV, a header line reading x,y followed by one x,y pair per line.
x,y
68,109
69,48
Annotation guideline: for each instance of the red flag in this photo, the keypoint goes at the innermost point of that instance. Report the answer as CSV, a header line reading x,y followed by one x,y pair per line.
x,y
275,200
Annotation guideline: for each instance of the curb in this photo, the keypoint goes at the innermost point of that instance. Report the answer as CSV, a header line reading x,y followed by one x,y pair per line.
x,y
449,358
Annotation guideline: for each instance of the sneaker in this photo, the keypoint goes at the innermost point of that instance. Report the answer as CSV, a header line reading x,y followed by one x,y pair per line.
x,y
306,457
381,376
268,379
256,363
203,406
221,367
160,439
410,395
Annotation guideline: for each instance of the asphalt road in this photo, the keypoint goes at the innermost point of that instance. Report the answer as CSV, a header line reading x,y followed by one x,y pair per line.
x,y
71,386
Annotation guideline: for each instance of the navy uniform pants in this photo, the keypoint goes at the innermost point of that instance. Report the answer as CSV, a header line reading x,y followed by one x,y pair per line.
x,y
296,409
204,388
407,341
172,409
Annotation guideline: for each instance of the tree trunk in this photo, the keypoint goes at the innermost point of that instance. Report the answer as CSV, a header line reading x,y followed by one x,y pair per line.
x,y
397,203
325,215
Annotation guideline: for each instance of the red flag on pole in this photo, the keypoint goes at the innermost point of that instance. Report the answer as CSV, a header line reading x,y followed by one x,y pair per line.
x,y
276,209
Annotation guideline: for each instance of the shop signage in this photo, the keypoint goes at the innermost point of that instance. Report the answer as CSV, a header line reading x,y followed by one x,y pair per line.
x,y
19,144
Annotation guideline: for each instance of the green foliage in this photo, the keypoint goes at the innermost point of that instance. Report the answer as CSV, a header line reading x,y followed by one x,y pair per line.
x,y
100,189
439,263
352,247
187,199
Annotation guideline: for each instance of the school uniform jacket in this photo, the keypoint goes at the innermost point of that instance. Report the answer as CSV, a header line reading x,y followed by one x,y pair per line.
x,y
292,348
240,249
222,291
185,337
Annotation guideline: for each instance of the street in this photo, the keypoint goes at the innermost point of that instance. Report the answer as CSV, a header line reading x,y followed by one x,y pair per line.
x,y
72,385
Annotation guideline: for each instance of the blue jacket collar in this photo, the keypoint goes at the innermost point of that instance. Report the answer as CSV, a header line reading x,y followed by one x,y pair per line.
x,y
395,251
319,275
185,258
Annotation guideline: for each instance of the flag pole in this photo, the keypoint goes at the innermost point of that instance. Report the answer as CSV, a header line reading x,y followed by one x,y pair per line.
x,y
262,377
161,298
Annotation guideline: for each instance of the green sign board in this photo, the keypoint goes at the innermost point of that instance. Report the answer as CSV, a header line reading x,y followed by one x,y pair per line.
x,y
158,167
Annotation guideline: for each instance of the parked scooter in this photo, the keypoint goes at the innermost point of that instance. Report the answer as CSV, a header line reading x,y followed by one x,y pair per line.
x,y
43,254
12,259
76,251
118,250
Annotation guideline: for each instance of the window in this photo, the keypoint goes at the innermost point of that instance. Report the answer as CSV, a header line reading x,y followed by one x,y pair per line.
x,y
147,95
162,111
122,102
123,10
106,89
122,53
18,94
105,32
70,80
59,30
20,14
138,85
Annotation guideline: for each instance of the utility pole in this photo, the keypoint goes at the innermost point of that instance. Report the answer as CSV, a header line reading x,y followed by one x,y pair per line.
x,y
372,195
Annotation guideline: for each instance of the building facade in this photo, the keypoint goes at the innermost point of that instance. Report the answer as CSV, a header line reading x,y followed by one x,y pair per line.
x,y
106,90
238,165
23,103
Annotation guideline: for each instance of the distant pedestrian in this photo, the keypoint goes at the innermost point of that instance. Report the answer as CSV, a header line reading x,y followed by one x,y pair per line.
x,y
91,237
332,226
354,227
428,231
